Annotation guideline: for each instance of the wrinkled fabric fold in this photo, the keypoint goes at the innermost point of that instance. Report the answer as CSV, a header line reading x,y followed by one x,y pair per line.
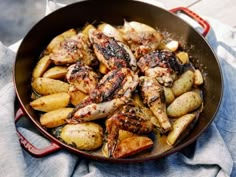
x,y
10,150
211,155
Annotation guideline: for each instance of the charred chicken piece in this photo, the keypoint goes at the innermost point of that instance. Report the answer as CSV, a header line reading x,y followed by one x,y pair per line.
x,y
73,49
153,96
112,91
82,77
162,65
111,53
131,118
141,38
115,84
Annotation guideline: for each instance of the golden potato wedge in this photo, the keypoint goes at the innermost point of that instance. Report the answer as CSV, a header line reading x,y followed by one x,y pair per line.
x,y
69,33
132,145
46,86
83,136
184,83
55,118
103,69
105,150
123,134
162,45
183,57
56,72
58,39
184,104
51,102
86,29
169,95
76,96
41,66
179,127
55,42
198,79
137,100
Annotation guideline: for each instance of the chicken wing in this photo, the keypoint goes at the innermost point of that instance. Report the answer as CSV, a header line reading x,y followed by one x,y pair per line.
x,y
112,91
162,65
130,117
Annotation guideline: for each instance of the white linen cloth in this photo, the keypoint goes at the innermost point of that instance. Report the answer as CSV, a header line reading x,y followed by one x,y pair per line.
x,y
213,154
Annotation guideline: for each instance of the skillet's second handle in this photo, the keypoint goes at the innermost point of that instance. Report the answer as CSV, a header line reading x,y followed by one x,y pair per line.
x,y
34,151
194,16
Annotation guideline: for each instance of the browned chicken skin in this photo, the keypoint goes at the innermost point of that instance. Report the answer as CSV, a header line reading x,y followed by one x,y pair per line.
x,y
73,49
162,65
113,90
153,96
141,38
130,117
82,77
111,53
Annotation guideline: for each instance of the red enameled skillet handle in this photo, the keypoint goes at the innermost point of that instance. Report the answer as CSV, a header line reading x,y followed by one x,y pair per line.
x,y
31,148
194,16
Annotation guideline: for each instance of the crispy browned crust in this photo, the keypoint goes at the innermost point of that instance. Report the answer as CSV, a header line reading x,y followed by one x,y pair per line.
x,y
132,145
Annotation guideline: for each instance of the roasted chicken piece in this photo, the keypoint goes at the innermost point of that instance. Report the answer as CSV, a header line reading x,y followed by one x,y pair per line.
x,y
162,65
130,117
73,49
141,38
153,96
82,77
110,31
112,91
111,53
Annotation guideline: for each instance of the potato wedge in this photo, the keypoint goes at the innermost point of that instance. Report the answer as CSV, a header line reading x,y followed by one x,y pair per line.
x,y
86,29
83,136
198,79
58,39
183,57
184,83
55,118
169,95
55,42
132,145
69,33
46,86
51,102
76,96
184,104
56,72
137,100
103,69
41,66
123,134
179,127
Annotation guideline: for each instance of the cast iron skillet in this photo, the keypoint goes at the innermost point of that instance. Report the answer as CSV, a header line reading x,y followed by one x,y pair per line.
x,y
114,12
